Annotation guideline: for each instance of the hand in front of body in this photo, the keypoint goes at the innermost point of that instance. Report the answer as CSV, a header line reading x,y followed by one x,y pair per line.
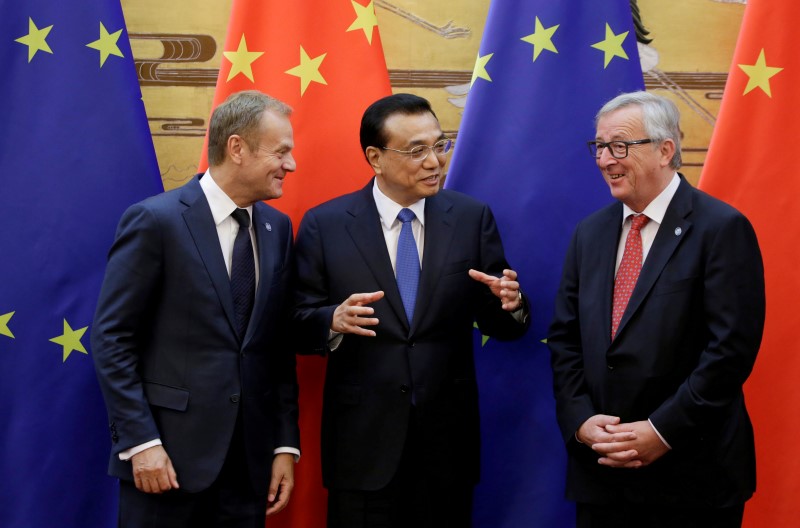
x,y
505,288
645,448
153,471
353,314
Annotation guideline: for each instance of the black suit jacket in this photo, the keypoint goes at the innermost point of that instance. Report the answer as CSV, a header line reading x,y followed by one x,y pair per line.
x,y
165,347
341,250
685,346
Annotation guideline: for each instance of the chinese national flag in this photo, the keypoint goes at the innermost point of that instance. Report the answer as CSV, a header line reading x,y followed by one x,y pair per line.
x,y
324,58
752,164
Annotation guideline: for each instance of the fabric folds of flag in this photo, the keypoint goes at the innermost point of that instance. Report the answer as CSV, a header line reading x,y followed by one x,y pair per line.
x,y
751,165
75,152
543,70
325,59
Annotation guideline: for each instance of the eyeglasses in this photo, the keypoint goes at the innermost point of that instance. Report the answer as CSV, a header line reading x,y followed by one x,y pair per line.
x,y
420,152
617,149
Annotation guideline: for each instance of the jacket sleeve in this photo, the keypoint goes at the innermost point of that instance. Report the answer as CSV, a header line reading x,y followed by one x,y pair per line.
x,y
132,275
312,312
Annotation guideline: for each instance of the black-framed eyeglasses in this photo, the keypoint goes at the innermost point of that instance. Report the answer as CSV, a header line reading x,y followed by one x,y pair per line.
x,y
618,149
420,152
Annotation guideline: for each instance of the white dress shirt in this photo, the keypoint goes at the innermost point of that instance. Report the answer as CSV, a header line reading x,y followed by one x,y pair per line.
x,y
655,211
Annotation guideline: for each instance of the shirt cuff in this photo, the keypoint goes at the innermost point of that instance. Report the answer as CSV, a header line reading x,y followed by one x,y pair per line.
x,y
659,434
128,453
334,340
290,450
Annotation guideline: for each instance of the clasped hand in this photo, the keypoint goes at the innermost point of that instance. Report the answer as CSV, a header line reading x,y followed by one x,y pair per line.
x,y
621,445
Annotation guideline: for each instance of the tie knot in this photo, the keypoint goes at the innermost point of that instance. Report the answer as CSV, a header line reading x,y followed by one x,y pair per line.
x,y
406,215
242,217
638,222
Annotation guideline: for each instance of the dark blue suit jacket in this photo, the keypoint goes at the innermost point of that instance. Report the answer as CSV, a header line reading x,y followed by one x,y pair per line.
x,y
165,347
341,250
685,346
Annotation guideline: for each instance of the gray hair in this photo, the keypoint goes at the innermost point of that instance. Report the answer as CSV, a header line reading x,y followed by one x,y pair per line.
x,y
240,114
660,118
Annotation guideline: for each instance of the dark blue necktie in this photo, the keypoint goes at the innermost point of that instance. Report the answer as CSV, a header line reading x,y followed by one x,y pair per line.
x,y
407,263
243,272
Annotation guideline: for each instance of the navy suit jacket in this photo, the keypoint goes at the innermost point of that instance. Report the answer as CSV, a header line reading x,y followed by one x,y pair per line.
x,y
369,382
685,346
168,358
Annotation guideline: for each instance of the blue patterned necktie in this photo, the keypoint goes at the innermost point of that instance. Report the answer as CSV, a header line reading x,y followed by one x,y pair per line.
x,y
407,263
243,272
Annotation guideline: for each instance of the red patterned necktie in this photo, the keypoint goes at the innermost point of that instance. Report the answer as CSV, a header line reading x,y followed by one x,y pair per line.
x,y
628,272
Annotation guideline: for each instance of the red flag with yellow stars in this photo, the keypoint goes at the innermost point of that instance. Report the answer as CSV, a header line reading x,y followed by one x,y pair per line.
x,y
751,164
325,59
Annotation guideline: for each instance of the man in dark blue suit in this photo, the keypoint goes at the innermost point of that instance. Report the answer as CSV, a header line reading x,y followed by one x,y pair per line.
x,y
391,279
190,337
657,324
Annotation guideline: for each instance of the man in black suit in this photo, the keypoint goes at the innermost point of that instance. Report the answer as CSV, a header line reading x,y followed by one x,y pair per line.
x,y
400,442
657,324
190,337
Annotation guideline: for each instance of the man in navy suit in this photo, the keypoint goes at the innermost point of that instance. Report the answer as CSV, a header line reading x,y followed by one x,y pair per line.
x,y
657,324
190,341
400,439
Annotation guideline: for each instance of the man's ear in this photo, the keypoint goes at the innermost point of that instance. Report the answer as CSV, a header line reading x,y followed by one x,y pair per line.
x,y
235,147
374,158
667,151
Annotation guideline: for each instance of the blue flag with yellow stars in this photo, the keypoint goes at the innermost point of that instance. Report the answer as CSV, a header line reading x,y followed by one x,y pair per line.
x,y
544,69
75,151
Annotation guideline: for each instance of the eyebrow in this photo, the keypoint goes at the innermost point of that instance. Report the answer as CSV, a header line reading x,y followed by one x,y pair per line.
x,y
421,142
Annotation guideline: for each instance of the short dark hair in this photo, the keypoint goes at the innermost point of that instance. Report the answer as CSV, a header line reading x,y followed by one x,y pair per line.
x,y
372,132
239,114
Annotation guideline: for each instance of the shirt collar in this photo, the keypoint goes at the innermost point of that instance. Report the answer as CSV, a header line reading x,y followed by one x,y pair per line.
x,y
220,203
656,209
388,209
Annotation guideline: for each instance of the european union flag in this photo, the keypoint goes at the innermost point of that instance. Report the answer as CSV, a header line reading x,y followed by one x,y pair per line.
x,y
75,151
544,69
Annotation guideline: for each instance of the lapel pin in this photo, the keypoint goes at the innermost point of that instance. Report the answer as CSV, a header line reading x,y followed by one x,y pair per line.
x,y
268,226
678,231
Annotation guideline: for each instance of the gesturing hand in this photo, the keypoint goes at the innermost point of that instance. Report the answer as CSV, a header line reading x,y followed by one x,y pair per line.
x,y
352,315
506,288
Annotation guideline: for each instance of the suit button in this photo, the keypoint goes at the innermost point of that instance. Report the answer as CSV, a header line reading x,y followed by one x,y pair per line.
x,y
412,344
235,398
610,366
404,388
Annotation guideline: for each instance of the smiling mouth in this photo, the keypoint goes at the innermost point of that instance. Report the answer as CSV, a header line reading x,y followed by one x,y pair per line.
x,y
615,176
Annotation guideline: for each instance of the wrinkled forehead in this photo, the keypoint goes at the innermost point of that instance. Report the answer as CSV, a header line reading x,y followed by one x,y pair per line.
x,y
418,128
622,123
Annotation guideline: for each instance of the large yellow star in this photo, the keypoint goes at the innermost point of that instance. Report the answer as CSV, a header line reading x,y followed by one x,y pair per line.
x,y
35,39
242,60
4,319
759,74
365,19
479,71
106,44
70,340
542,39
308,70
612,45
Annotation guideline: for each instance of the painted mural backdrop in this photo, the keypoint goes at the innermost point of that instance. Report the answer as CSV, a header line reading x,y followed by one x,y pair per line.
x,y
430,50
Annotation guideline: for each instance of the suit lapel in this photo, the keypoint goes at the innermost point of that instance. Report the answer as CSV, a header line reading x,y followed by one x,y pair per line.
x,y
200,222
367,234
672,231
606,244
439,231
267,253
